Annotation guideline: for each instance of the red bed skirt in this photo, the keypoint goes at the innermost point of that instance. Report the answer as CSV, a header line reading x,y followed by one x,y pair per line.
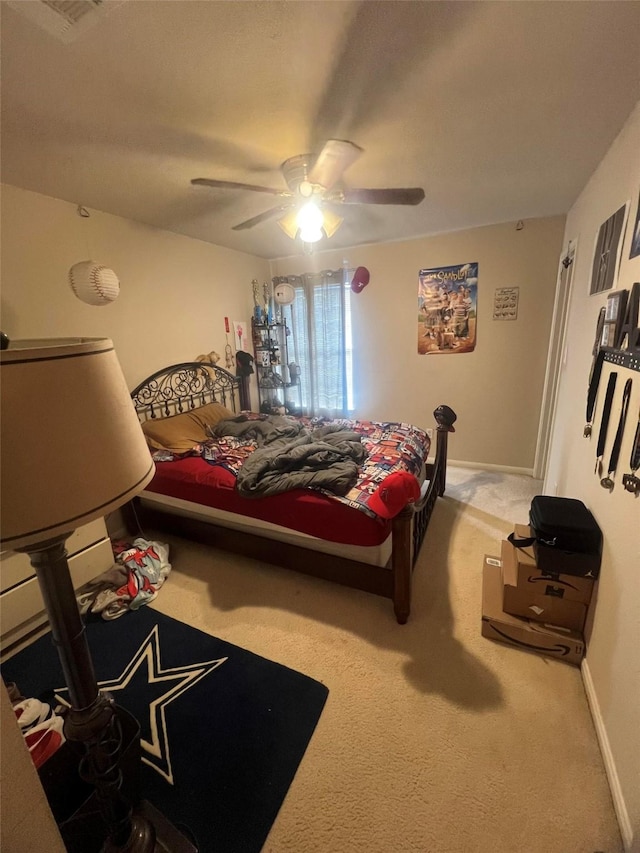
x,y
193,479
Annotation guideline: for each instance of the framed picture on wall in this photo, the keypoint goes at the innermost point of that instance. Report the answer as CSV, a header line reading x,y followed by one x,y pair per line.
x,y
613,317
606,254
608,335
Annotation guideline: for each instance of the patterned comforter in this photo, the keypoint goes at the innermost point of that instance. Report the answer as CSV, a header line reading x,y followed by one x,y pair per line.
x,y
389,447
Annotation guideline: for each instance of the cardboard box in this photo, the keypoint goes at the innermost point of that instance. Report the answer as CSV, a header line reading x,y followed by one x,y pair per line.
x,y
561,585
563,644
533,602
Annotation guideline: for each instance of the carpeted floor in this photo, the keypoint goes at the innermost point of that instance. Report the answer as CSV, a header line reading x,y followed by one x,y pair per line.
x,y
433,739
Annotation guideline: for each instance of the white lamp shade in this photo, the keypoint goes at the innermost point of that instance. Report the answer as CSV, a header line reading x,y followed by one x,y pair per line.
x,y
93,283
71,446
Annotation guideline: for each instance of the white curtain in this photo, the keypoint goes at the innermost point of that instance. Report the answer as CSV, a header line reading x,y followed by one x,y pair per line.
x,y
321,341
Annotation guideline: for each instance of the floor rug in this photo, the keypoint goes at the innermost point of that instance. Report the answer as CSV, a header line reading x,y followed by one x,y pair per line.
x,y
222,730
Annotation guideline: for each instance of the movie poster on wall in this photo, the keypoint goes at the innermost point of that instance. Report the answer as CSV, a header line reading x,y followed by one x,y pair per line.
x,y
447,309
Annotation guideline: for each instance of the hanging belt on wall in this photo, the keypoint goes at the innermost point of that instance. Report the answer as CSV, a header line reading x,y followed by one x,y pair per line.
x,y
594,382
630,481
607,482
594,374
604,423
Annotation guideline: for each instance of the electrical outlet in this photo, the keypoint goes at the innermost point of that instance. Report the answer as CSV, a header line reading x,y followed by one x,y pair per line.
x,y
430,433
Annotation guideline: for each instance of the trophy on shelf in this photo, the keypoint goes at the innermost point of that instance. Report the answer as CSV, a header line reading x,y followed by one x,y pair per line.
x,y
257,310
268,309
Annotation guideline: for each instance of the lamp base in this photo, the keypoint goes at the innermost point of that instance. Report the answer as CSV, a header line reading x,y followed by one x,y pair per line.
x,y
151,833
93,722
168,838
143,838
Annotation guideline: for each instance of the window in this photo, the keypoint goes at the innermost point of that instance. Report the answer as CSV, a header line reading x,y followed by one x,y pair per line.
x,y
321,341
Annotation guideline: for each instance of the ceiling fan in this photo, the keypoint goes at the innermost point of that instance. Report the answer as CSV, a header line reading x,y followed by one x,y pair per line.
x,y
312,180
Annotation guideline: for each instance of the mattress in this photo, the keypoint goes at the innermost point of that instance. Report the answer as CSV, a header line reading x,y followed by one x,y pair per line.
x,y
373,555
193,481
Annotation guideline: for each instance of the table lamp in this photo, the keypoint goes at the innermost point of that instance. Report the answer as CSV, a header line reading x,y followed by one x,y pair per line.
x,y
72,450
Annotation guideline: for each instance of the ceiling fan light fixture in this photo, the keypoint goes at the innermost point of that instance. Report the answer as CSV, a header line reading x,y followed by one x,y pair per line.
x,y
309,216
310,221
306,189
310,235
331,222
313,180
289,224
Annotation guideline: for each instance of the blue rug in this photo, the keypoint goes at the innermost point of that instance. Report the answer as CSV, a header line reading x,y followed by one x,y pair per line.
x,y
222,730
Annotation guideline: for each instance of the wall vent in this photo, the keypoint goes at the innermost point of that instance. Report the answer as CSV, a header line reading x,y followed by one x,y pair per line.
x,y
64,19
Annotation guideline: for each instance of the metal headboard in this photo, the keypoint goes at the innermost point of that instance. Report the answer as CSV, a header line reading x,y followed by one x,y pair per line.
x,y
181,387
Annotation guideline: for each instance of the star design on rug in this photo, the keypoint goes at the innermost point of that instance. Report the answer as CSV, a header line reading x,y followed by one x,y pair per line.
x,y
167,685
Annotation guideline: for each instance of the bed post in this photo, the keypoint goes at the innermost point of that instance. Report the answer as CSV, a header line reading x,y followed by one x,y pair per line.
x,y
409,527
445,418
244,393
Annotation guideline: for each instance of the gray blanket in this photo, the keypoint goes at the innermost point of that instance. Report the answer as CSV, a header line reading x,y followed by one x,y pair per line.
x,y
291,457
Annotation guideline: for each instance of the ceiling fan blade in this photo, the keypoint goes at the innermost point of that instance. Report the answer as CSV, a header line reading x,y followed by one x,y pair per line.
x,y
232,185
261,217
333,161
399,195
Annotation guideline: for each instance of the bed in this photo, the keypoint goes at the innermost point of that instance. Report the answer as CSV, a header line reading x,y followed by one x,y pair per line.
x,y
192,413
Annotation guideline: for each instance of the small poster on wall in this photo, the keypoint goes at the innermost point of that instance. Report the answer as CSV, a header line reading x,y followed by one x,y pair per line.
x,y
240,336
505,303
447,309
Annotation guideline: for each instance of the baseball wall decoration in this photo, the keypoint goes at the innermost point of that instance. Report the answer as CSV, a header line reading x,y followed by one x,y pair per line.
x,y
284,293
94,283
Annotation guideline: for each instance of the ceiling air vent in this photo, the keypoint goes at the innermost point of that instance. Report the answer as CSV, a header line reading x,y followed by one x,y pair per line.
x,y
64,19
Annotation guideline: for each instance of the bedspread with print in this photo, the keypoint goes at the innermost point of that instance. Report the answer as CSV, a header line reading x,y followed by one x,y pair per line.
x,y
389,447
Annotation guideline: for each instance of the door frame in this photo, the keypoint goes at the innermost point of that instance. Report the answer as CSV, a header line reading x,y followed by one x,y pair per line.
x,y
555,358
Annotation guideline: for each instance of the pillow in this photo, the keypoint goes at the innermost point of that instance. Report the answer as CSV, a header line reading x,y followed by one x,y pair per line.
x,y
211,414
179,433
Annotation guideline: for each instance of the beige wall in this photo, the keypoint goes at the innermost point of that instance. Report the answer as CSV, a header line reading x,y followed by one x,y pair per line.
x,y
174,293
496,390
613,656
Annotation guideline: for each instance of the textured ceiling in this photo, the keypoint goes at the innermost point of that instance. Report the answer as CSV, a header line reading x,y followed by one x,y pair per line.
x,y
500,111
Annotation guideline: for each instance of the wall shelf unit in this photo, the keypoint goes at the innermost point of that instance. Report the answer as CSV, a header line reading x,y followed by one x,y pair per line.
x,y
278,381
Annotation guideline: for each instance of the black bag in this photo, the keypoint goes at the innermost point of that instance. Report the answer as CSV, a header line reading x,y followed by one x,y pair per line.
x,y
567,539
